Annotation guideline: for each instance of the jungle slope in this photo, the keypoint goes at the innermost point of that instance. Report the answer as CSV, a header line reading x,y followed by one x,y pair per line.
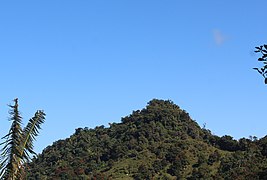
x,y
160,141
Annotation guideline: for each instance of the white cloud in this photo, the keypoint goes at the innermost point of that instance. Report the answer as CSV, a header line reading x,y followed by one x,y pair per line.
x,y
219,38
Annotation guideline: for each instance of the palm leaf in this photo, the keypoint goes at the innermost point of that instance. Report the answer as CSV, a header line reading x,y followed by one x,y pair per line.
x,y
30,132
18,144
11,150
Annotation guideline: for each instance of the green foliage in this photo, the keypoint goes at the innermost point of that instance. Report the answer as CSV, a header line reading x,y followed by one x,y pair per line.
x,y
18,144
160,141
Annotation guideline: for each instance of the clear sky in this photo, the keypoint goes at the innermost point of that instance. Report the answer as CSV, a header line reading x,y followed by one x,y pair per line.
x,y
88,63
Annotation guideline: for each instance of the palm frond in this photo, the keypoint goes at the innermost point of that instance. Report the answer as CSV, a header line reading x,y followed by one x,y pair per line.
x,y
18,143
12,148
30,132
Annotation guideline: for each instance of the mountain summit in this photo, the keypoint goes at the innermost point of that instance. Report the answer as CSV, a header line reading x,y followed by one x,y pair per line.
x,y
160,141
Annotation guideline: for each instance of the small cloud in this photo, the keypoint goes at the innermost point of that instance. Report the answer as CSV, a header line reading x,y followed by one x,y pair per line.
x,y
219,38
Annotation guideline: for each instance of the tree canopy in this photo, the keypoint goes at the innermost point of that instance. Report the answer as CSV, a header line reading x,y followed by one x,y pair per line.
x,y
160,141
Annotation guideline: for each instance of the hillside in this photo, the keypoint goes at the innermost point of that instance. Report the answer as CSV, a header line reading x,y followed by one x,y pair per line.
x,y
160,141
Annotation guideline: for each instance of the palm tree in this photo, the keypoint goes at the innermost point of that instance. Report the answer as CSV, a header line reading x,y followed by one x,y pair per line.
x,y
18,144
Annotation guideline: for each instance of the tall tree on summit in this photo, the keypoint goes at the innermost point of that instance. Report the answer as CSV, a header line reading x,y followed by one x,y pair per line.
x,y
18,143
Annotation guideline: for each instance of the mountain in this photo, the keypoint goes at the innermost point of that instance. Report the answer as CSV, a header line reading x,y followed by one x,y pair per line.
x,y
160,141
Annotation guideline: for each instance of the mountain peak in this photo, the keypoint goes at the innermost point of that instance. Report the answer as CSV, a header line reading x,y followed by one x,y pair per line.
x,y
160,141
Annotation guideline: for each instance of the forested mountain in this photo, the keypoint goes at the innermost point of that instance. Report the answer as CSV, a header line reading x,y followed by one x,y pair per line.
x,y
159,142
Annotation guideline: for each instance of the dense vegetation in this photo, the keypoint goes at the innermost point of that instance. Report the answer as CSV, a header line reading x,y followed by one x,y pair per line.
x,y
159,142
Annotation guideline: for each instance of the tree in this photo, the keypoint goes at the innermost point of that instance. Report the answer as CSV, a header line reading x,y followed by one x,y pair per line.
x,y
18,143
263,59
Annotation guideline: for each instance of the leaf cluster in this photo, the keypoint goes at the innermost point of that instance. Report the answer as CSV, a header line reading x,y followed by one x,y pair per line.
x,y
263,70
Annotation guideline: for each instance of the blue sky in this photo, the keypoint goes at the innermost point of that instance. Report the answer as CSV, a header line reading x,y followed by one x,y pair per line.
x,y
88,63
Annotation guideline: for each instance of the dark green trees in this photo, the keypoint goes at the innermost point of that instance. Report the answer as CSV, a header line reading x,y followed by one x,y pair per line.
x,y
18,143
160,141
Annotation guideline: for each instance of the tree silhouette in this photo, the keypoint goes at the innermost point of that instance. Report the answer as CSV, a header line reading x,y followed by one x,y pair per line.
x,y
263,59
18,143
